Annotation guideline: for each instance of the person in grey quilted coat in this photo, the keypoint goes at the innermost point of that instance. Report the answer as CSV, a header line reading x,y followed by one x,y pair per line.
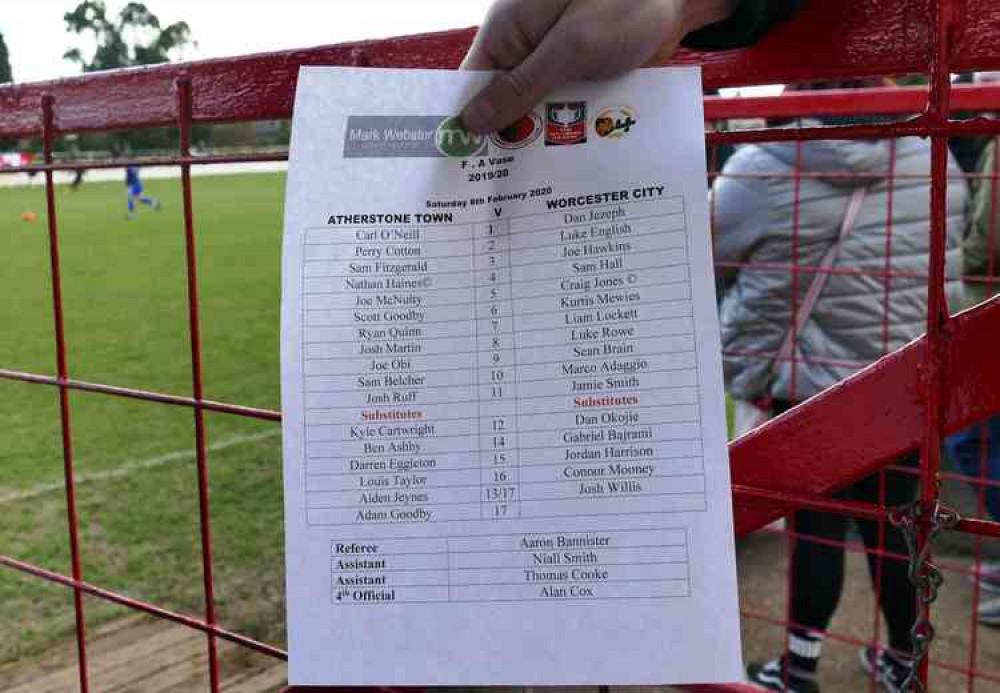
x,y
754,221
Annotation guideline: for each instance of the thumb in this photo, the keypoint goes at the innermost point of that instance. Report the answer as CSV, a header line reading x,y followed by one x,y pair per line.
x,y
512,94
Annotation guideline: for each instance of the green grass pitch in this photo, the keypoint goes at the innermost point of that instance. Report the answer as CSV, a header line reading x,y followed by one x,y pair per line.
x,y
125,303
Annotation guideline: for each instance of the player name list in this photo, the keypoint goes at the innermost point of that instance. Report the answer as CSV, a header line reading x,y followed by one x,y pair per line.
x,y
533,366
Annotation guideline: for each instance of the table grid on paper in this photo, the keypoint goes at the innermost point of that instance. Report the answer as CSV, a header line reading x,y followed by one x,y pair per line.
x,y
598,565
533,366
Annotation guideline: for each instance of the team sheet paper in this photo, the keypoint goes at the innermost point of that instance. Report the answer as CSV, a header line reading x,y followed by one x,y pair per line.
x,y
504,429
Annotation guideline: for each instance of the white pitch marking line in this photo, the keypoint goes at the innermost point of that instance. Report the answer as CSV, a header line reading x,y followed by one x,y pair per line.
x,y
135,466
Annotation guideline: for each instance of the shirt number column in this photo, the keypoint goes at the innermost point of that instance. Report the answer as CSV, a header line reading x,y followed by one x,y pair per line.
x,y
498,451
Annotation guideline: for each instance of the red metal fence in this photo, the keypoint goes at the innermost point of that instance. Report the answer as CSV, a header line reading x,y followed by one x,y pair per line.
x,y
907,401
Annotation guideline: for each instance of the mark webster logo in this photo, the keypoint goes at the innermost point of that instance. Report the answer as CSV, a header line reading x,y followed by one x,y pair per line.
x,y
615,122
519,134
384,137
565,123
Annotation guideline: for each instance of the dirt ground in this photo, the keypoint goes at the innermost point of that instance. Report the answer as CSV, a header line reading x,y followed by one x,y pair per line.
x,y
139,654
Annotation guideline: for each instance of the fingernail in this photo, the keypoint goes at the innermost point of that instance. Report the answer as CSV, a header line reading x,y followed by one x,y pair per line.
x,y
478,116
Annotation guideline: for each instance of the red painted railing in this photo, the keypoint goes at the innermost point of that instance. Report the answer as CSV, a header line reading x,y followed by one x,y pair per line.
x,y
907,401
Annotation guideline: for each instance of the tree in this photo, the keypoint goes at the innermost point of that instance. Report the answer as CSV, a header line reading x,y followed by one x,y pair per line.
x,y
5,73
5,76
135,37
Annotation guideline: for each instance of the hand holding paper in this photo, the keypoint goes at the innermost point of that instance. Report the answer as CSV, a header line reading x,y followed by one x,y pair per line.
x,y
545,45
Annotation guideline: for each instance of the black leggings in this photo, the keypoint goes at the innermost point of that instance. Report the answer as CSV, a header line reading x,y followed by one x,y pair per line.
x,y
818,568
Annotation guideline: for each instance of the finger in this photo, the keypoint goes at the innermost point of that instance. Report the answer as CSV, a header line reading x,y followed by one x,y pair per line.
x,y
512,94
478,57
663,55
510,32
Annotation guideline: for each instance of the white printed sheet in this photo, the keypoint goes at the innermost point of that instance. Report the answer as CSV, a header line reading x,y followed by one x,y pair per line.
x,y
504,426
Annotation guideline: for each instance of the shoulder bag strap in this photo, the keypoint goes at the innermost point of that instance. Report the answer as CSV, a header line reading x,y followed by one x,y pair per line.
x,y
821,276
